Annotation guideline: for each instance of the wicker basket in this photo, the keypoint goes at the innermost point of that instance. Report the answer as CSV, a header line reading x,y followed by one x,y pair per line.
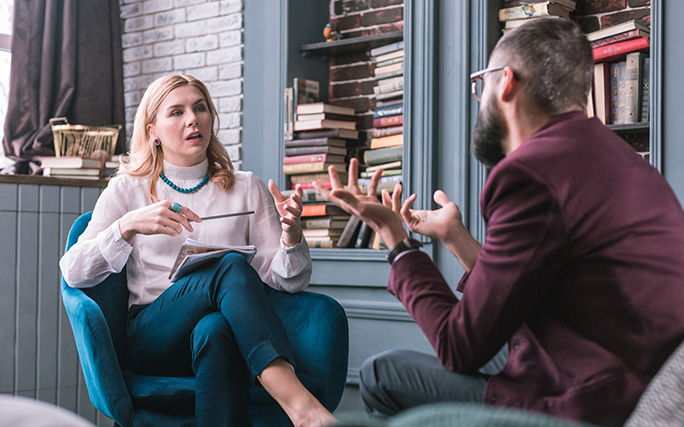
x,y
83,141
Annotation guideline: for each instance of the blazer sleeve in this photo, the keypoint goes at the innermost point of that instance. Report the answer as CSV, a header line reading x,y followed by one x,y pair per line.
x,y
519,262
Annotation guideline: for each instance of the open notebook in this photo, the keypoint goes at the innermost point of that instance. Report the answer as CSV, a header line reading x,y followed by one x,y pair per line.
x,y
194,253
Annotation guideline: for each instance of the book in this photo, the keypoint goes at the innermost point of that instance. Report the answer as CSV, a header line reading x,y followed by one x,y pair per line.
x,y
313,158
387,48
363,236
390,165
311,142
618,29
616,51
308,195
627,35
389,61
389,75
389,85
629,93
383,155
379,71
327,133
193,254
306,168
388,172
71,176
645,91
52,171
382,122
391,55
305,91
388,111
387,141
590,103
322,209
313,150
391,103
616,70
321,232
321,107
390,95
289,112
387,131
309,185
68,162
529,10
321,242
376,242
323,124
323,116
331,222
392,179
349,233
569,4
307,178
602,92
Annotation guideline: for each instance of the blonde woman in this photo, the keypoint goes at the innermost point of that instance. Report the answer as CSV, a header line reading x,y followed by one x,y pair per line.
x,y
217,322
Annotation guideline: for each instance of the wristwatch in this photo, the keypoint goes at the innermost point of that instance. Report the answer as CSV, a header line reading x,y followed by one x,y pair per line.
x,y
403,246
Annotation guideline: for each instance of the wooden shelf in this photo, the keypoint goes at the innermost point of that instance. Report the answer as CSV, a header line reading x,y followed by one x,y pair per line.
x,y
356,44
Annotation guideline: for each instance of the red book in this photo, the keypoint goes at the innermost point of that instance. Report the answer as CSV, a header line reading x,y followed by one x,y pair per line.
x,y
313,158
383,122
617,51
321,209
309,185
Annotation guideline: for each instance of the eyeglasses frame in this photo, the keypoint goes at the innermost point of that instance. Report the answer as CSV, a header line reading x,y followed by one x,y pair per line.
x,y
479,75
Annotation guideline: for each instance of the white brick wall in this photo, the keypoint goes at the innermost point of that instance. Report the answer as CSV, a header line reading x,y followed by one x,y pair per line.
x,y
202,38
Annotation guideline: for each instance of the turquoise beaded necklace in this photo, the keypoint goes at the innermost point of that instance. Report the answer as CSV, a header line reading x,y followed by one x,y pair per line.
x,y
185,190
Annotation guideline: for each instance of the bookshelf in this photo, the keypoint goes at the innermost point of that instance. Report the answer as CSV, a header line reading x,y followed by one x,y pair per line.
x,y
355,44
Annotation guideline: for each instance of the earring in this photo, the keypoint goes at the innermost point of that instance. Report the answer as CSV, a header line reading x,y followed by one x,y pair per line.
x,y
157,142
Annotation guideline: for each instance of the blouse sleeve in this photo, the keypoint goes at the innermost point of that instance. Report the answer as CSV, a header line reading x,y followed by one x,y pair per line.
x,y
281,267
100,250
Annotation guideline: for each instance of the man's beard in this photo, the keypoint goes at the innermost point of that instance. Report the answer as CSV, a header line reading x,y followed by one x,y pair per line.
x,y
488,134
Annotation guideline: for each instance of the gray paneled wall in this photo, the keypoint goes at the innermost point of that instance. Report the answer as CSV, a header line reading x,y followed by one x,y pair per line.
x,y
37,350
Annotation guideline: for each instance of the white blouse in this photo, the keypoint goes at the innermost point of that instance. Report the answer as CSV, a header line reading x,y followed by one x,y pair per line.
x,y
101,250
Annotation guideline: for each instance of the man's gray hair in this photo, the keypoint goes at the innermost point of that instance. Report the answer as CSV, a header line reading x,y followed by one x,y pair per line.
x,y
553,60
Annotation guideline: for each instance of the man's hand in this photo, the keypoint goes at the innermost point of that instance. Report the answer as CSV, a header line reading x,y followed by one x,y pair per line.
x,y
438,224
290,210
366,207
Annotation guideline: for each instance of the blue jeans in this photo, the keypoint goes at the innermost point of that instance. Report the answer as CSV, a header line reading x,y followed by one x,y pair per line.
x,y
217,324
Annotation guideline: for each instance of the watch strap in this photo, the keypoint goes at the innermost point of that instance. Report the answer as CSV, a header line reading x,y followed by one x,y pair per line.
x,y
402,246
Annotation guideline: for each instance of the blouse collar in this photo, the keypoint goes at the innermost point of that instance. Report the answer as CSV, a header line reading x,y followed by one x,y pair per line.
x,y
197,171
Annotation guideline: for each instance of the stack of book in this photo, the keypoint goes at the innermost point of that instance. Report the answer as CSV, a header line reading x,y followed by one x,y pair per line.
x,y
320,139
620,94
72,167
515,13
389,71
322,223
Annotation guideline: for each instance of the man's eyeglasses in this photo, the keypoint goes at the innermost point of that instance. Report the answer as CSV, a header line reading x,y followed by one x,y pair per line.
x,y
478,76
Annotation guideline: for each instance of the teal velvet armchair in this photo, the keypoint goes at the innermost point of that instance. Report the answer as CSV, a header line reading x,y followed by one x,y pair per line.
x,y
316,324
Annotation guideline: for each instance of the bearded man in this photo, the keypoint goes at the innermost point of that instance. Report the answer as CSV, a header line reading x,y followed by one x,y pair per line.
x,y
581,275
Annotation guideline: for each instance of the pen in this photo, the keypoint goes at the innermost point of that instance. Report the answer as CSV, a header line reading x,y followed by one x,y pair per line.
x,y
204,218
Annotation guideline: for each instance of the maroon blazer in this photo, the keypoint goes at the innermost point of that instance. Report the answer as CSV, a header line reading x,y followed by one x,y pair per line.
x,y
582,273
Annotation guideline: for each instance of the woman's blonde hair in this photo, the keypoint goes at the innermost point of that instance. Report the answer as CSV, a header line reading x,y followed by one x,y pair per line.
x,y
147,159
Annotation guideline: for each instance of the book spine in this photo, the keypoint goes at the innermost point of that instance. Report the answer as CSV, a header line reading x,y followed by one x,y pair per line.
x,y
349,233
312,158
387,141
628,35
389,62
382,155
381,122
311,177
645,90
388,111
300,151
308,195
387,48
615,75
310,186
388,131
316,223
296,168
628,93
388,69
618,50
322,244
388,172
392,165
523,12
363,236
314,210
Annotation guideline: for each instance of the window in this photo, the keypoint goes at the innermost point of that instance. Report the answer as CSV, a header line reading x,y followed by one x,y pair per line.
x,y
6,13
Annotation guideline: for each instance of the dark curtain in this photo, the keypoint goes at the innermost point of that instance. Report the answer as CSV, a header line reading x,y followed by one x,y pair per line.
x,y
66,62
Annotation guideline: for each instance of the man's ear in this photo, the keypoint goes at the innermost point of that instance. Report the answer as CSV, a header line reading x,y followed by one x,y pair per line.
x,y
509,84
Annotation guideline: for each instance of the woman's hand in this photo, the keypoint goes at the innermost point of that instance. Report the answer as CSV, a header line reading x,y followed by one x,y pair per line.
x,y
290,210
157,218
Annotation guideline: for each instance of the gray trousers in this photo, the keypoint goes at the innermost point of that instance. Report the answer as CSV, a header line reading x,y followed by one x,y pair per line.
x,y
396,380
